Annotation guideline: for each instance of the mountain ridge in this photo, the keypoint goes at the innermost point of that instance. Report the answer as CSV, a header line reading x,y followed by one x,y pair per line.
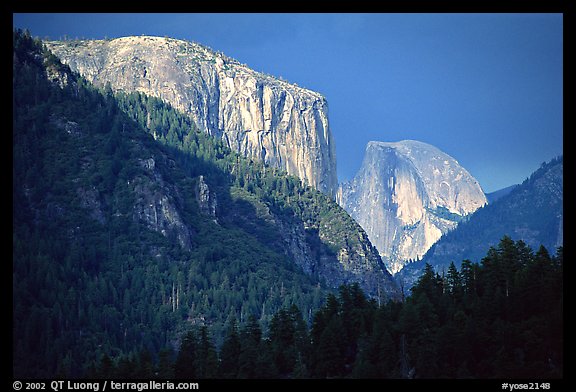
x,y
493,196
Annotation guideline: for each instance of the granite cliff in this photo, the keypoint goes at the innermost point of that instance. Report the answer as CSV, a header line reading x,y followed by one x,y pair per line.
x,y
258,115
406,196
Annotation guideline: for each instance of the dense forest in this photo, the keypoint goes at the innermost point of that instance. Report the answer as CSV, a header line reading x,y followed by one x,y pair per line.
x,y
97,293
501,318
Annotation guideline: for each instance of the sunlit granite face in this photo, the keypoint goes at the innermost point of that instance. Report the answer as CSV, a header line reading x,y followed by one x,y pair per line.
x,y
406,195
260,116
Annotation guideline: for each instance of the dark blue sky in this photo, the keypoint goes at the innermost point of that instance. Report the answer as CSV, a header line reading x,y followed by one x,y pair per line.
x,y
485,88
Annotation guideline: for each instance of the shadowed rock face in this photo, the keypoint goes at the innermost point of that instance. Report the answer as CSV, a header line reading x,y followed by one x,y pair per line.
x,y
258,115
406,195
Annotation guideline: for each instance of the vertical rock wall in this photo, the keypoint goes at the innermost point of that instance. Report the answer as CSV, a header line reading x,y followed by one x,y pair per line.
x,y
258,115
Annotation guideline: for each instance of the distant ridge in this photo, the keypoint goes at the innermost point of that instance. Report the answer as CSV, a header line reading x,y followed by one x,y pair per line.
x,y
493,196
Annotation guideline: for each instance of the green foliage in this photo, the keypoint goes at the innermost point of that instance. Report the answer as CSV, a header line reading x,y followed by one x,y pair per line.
x,y
290,345
500,319
188,358
230,352
487,320
438,332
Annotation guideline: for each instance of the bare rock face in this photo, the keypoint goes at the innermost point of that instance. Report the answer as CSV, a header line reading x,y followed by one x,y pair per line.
x,y
258,115
155,204
90,199
207,200
406,195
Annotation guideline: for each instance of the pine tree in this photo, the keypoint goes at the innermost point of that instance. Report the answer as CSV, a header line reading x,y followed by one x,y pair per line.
x,y
144,367
455,285
250,344
185,365
230,352
206,359
329,359
289,340
106,367
165,369
468,274
429,284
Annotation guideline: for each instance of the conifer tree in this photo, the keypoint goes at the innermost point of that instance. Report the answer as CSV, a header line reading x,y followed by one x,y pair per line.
x,y
206,358
230,352
186,361
250,344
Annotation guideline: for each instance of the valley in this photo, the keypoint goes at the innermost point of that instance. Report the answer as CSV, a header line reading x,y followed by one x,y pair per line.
x,y
177,214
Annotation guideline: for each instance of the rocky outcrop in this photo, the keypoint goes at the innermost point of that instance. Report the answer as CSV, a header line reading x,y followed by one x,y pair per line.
x,y
406,195
258,115
90,200
155,204
207,200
